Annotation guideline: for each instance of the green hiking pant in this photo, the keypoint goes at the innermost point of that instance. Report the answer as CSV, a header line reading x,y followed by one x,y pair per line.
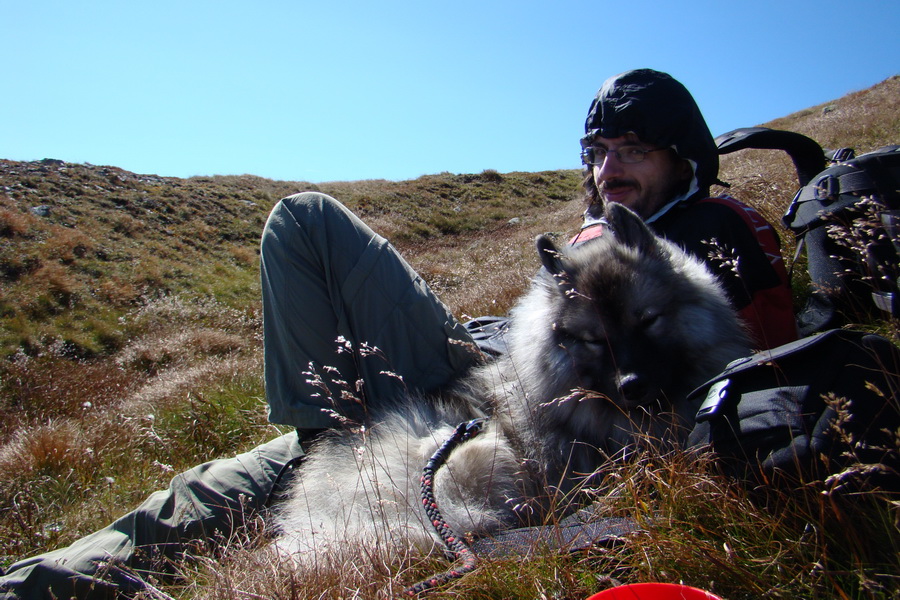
x,y
203,503
325,276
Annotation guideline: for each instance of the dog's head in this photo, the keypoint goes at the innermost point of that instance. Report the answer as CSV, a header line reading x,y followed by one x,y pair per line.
x,y
635,318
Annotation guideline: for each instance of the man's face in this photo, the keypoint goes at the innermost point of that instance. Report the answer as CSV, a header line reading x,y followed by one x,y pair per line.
x,y
644,187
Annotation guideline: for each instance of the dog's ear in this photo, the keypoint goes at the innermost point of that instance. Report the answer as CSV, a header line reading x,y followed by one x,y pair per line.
x,y
553,262
549,254
629,229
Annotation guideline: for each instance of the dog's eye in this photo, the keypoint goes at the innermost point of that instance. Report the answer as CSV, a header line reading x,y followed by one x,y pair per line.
x,y
571,340
650,319
592,344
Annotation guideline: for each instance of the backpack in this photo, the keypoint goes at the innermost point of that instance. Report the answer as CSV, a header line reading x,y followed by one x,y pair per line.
x,y
843,215
824,405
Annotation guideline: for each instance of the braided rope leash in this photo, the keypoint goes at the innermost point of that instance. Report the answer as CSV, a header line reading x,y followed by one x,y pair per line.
x,y
453,542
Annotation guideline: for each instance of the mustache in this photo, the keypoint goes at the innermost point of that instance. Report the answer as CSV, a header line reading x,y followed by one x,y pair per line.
x,y
614,184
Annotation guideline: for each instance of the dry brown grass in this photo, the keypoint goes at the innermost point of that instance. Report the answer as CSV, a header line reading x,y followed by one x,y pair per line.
x,y
14,223
186,389
484,274
695,527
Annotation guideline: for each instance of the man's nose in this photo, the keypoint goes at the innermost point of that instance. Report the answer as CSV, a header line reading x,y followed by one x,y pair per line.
x,y
610,167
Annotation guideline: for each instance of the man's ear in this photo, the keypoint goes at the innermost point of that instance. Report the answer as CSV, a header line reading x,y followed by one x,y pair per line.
x,y
685,170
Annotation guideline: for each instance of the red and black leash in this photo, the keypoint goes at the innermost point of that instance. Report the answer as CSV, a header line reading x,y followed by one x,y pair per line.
x,y
453,542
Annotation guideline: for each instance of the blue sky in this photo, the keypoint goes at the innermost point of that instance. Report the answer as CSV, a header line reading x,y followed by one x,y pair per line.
x,y
348,89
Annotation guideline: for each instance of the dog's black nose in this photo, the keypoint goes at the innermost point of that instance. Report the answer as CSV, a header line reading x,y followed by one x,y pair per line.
x,y
631,387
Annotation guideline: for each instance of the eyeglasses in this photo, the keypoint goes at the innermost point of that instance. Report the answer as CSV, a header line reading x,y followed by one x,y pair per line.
x,y
629,155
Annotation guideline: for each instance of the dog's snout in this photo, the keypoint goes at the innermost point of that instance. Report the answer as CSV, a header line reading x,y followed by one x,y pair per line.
x,y
631,386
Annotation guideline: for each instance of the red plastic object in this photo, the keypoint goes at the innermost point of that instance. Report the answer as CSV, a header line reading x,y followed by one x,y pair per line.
x,y
654,591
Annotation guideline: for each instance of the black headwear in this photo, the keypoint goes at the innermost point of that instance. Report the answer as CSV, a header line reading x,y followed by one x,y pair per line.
x,y
660,111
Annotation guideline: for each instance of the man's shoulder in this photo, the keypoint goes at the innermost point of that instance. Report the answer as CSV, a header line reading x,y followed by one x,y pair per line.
x,y
745,211
718,204
716,212
704,214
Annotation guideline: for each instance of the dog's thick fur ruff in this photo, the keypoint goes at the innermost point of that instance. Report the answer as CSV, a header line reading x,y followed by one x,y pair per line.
x,y
603,350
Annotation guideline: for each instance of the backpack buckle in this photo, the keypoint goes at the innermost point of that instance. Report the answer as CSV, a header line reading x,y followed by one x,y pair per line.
x,y
827,189
842,155
715,398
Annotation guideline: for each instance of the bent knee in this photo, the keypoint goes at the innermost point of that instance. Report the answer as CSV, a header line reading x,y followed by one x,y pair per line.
x,y
310,210
305,207
314,200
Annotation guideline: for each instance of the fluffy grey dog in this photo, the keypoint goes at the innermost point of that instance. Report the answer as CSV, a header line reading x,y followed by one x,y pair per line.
x,y
603,350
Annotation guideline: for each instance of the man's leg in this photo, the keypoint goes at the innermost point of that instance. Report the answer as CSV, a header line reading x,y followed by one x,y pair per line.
x,y
204,503
325,275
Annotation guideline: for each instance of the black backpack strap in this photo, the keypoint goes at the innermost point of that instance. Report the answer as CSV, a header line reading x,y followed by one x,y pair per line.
x,y
842,185
879,174
883,170
806,154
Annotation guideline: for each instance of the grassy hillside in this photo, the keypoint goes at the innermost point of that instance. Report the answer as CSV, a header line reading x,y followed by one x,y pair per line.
x,y
84,244
130,350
